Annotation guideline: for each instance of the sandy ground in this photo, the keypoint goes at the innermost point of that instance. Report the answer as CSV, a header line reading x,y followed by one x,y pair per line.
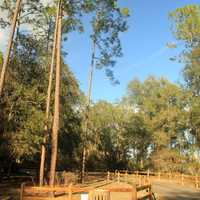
x,y
172,191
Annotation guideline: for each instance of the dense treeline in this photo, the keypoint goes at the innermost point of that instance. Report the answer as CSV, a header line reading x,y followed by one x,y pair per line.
x,y
24,100
155,125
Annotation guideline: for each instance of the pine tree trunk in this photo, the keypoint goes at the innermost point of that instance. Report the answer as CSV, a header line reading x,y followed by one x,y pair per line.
x,y
16,43
83,164
86,121
43,150
55,128
10,43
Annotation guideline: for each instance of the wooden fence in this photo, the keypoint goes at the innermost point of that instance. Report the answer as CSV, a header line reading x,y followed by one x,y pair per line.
x,y
139,180
39,193
146,176
139,192
43,193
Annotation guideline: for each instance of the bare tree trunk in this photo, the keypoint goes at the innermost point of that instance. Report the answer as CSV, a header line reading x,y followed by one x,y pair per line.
x,y
86,121
43,150
55,128
10,42
15,44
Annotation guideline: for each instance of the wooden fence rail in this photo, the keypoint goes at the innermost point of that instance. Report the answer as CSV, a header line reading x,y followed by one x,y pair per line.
x,y
38,193
35,193
140,176
140,180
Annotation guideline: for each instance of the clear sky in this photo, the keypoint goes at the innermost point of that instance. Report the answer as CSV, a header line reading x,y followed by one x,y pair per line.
x,y
144,48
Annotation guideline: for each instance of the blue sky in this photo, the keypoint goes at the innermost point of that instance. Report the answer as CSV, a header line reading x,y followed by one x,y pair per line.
x,y
143,47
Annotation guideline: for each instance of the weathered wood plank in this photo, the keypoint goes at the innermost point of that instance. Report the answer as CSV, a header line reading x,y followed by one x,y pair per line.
x,y
143,187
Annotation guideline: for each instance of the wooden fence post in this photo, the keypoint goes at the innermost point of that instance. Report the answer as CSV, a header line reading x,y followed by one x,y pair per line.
x,y
133,177
70,191
150,193
108,176
134,193
118,177
140,180
182,179
170,176
65,178
196,182
91,195
22,191
126,176
148,176
159,176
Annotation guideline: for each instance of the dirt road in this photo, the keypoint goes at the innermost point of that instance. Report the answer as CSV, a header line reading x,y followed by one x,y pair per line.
x,y
172,191
164,189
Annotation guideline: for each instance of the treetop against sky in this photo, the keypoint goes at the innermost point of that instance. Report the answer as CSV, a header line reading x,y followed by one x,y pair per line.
x,y
144,48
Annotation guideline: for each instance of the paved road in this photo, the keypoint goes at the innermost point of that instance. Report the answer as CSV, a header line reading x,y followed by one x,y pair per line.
x,y
172,191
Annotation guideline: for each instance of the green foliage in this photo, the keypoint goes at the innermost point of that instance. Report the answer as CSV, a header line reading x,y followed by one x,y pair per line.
x,y
138,138
186,22
22,115
108,22
168,160
70,124
22,105
191,71
125,11
107,136
166,110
